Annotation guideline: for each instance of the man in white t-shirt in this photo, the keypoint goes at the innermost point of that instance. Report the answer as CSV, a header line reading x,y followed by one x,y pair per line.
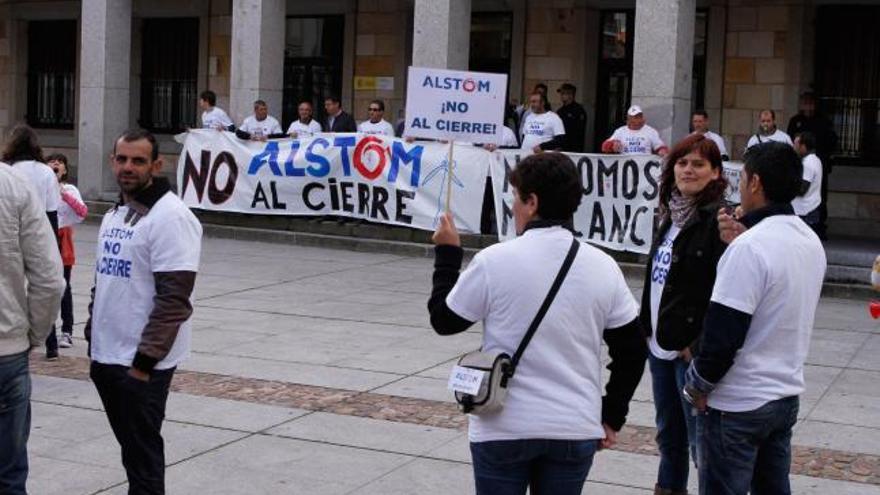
x,y
305,126
636,137
376,124
700,125
213,117
767,131
260,126
508,140
542,130
749,372
808,202
139,320
554,416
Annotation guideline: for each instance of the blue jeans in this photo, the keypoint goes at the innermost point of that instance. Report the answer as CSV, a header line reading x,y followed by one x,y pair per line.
x,y
15,422
747,450
557,467
676,425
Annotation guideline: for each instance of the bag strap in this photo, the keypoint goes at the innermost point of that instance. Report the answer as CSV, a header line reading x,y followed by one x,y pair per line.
x,y
563,271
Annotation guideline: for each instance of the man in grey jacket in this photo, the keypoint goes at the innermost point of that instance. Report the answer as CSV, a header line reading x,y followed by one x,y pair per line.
x,y
31,284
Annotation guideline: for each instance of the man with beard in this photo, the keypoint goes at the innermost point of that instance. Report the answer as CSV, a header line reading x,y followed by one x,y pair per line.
x,y
139,317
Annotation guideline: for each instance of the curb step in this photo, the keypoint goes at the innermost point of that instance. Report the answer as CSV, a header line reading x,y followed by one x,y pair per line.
x,y
842,281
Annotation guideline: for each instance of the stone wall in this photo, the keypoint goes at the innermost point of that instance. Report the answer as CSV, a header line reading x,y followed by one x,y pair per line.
x,y
758,67
561,44
220,51
381,50
552,47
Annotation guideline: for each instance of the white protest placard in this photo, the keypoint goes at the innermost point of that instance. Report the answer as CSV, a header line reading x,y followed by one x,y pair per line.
x,y
455,105
732,172
465,380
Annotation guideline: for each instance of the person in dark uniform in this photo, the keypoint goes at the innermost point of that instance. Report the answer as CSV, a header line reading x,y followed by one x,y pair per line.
x,y
808,120
574,118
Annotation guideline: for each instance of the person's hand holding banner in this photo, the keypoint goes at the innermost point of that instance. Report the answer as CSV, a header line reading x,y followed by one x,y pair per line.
x,y
446,233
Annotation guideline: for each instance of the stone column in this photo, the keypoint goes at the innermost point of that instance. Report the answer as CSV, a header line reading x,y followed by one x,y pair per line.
x,y
104,91
663,64
257,70
442,34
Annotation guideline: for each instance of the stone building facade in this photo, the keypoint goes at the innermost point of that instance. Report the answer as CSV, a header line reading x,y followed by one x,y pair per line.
x,y
730,57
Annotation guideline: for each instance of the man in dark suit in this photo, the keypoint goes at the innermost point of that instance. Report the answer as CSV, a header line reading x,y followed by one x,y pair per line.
x,y
337,119
574,118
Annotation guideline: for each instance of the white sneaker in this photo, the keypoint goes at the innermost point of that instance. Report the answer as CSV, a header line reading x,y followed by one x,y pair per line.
x,y
66,341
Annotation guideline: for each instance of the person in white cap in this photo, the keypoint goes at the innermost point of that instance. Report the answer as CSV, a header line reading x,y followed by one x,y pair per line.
x,y
636,137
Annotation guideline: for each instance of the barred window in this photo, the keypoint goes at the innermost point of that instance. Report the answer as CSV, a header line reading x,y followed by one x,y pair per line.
x,y
51,74
169,73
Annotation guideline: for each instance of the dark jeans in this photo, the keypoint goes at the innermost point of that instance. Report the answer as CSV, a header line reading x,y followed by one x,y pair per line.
x,y
136,410
15,422
676,425
66,316
812,220
557,467
67,304
747,450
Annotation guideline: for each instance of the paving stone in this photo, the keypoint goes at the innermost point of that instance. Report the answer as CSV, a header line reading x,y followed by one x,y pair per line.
x,y
402,438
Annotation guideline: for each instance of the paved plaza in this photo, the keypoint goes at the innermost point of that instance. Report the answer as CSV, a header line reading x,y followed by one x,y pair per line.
x,y
315,371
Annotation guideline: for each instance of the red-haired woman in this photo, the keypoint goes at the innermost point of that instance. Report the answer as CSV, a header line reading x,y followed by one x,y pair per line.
x,y
678,284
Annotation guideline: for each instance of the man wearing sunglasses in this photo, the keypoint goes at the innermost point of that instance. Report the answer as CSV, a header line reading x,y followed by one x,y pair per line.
x,y
376,124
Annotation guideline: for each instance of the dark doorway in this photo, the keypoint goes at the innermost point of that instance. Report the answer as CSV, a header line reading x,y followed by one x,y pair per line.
x,y
491,34
848,80
312,64
614,88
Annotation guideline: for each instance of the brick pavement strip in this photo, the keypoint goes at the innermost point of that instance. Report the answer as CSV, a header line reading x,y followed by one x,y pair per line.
x,y
807,461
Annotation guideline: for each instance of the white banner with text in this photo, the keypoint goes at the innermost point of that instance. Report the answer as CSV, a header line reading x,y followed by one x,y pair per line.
x,y
387,180
375,178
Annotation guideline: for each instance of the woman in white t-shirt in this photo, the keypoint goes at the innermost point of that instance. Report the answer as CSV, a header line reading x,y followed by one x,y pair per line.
x,y
554,418
678,283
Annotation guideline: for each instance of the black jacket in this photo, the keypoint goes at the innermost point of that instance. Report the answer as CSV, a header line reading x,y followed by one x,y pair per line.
x,y
574,118
695,255
343,123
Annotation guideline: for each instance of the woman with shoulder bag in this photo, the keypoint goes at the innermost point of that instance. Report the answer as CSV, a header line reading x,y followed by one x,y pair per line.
x,y
678,284
553,417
